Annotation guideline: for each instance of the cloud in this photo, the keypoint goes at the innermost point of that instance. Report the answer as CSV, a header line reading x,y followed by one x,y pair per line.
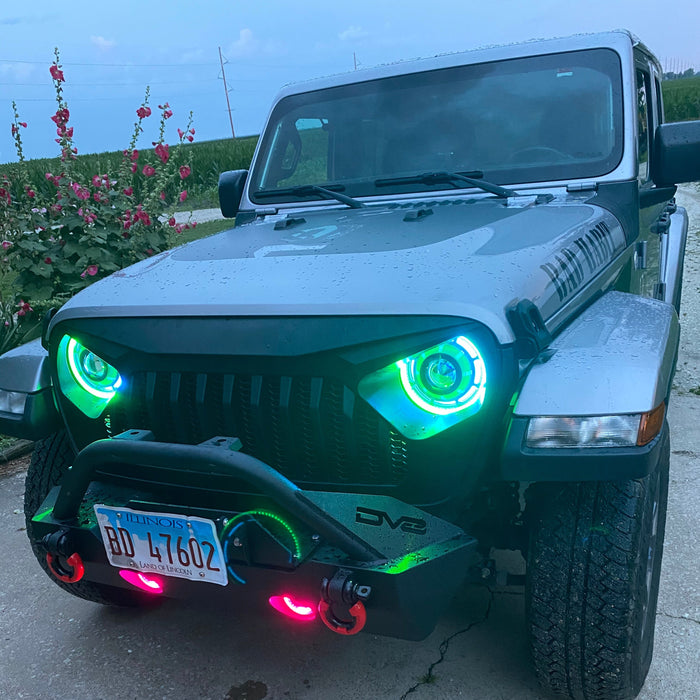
x,y
9,21
353,33
248,44
102,43
17,71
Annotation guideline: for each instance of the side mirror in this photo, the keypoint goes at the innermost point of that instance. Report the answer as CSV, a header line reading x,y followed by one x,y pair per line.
x,y
676,156
231,184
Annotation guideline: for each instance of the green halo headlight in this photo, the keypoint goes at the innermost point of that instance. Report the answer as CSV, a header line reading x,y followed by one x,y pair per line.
x,y
429,391
85,378
445,378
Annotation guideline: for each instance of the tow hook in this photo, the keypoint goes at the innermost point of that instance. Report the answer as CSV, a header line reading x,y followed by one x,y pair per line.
x,y
341,592
65,567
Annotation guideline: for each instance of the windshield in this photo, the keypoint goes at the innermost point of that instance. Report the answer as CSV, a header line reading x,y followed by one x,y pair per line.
x,y
551,117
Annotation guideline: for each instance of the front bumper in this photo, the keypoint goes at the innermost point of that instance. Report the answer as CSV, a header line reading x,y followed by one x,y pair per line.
x,y
406,563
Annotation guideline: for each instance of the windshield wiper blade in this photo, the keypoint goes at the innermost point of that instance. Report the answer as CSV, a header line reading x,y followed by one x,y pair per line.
x,y
436,178
306,190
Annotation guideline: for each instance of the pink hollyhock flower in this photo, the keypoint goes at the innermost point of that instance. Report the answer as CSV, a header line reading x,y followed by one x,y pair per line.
x,y
148,170
61,117
183,195
149,251
7,244
162,196
48,260
92,270
190,138
24,308
185,171
180,133
143,112
128,191
98,180
179,228
171,222
80,192
4,194
23,124
134,167
192,131
134,156
162,151
168,113
30,192
56,73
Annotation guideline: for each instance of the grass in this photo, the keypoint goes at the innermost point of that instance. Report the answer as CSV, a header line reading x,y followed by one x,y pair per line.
x,y
202,230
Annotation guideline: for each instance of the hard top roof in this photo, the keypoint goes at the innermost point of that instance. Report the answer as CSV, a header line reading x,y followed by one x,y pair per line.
x,y
619,39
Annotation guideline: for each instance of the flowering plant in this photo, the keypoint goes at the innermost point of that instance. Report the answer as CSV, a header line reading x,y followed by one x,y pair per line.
x,y
84,229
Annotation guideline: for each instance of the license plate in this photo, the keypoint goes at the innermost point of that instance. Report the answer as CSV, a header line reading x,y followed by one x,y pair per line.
x,y
162,543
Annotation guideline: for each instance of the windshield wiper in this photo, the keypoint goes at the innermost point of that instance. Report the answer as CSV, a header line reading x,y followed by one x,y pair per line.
x,y
436,178
306,190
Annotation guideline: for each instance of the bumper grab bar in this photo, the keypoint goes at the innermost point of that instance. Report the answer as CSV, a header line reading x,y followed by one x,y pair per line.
x,y
217,456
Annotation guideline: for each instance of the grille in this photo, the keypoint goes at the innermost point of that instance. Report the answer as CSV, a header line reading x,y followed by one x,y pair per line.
x,y
310,429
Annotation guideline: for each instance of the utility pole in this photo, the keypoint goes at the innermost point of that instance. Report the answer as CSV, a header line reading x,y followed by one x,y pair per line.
x,y
223,74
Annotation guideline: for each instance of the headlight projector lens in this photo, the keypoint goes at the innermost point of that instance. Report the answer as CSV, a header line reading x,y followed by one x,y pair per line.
x,y
445,378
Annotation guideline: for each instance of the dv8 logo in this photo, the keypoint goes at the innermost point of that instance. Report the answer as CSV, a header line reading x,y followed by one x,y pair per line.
x,y
368,516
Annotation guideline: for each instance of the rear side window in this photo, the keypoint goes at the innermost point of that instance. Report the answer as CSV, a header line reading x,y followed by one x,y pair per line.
x,y
643,124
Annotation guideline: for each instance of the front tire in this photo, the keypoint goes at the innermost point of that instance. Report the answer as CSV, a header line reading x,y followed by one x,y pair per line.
x,y
50,461
593,579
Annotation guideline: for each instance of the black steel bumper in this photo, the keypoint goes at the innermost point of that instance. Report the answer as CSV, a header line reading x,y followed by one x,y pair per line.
x,y
402,564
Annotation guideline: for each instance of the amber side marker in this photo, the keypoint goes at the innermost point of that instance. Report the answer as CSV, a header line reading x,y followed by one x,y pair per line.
x,y
651,424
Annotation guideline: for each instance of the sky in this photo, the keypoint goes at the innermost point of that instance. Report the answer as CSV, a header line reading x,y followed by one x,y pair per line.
x,y
111,52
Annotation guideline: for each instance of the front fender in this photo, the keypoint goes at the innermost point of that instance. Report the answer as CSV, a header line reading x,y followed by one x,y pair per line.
x,y
25,377
618,357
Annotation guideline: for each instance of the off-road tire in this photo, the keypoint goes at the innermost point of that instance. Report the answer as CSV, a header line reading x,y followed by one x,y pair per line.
x,y
593,579
50,461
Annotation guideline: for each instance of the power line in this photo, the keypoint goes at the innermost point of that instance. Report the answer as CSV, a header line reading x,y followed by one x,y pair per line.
x,y
112,65
110,84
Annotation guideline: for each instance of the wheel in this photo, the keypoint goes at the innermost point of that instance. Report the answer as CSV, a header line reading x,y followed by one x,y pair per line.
x,y
593,580
50,460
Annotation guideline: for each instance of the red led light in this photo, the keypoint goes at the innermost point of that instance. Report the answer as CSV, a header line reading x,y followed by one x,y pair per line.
x,y
296,609
150,584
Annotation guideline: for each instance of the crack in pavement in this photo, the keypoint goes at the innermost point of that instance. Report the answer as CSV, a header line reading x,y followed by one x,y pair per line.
x,y
679,617
429,677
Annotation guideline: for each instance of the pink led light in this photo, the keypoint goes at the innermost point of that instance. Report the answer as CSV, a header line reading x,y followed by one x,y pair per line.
x,y
150,584
290,607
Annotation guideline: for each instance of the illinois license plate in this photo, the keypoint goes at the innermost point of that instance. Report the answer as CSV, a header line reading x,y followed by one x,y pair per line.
x,y
162,543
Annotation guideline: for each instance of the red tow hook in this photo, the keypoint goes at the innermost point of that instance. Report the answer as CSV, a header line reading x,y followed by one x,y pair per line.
x,y
77,569
342,591
357,611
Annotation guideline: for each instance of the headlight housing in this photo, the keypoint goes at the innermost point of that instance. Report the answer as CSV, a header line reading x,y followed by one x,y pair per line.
x,y
429,391
87,380
623,430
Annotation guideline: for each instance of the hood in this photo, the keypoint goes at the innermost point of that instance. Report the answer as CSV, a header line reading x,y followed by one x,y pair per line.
x,y
465,258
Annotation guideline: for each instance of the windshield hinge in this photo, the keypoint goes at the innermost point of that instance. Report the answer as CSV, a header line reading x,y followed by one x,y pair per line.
x,y
582,187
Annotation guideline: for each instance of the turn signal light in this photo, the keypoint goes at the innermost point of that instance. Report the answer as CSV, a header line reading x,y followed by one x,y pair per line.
x,y
291,607
651,424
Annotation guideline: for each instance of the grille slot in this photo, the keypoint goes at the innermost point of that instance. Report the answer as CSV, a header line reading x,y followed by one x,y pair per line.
x,y
311,429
